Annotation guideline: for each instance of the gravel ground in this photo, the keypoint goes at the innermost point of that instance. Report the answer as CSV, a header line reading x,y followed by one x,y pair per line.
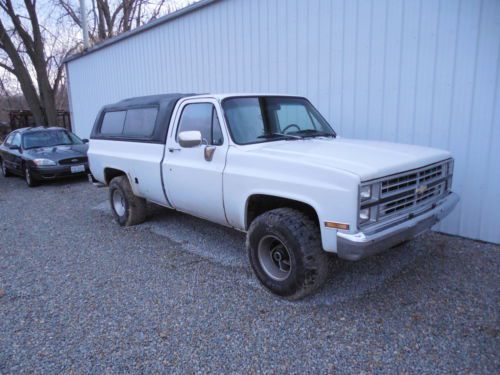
x,y
79,294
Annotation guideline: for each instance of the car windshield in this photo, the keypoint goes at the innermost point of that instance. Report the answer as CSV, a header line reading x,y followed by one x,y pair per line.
x,y
49,138
269,118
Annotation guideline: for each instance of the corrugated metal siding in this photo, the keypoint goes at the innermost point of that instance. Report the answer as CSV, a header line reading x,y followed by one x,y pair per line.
x,y
423,72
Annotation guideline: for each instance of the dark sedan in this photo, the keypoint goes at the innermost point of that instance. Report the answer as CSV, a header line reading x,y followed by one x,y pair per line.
x,y
41,153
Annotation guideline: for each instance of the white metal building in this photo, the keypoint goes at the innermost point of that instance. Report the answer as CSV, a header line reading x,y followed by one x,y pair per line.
x,y
415,71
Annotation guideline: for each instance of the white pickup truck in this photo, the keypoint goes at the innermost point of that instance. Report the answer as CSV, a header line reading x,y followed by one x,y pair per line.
x,y
271,166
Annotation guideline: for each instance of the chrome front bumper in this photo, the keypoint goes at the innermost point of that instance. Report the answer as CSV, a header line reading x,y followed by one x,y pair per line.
x,y
360,245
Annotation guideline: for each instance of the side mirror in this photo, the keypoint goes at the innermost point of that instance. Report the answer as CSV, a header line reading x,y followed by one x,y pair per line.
x,y
14,147
190,138
85,140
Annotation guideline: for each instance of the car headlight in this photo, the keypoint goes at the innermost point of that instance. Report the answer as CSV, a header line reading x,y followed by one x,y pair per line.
x,y
365,192
44,162
364,214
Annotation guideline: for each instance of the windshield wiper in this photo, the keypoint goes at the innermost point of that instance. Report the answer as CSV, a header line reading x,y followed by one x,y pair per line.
x,y
282,135
314,133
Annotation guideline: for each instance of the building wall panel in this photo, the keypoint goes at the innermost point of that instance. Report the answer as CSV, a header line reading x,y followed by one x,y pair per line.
x,y
418,71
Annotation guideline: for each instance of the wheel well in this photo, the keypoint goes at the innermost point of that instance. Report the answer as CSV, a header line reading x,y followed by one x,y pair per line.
x,y
260,203
110,173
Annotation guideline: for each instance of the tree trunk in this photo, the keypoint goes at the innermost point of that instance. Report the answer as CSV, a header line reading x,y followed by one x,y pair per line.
x,y
23,76
42,104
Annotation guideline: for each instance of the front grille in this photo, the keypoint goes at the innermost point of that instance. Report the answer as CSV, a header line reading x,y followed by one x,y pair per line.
x,y
398,183
411,199
75,160
408,192
405,182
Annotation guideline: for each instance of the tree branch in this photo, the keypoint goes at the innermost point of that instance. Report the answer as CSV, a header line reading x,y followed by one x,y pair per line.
x,y
7,68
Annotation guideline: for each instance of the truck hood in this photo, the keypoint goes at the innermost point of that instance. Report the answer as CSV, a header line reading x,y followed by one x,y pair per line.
x,y
367,159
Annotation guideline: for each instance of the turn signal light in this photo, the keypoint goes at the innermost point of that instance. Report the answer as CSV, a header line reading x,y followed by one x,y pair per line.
x,y
331,224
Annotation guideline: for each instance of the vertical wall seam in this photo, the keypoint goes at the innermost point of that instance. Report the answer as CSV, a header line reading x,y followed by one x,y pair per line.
x,y
382,104
330,65
400,68
356,66
342,69
489,163
436,51
308,64
453,75
296,49
370,47
471,108
417,70
285,44
318,80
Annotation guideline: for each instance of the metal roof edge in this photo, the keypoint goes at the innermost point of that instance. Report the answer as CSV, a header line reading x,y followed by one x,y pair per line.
x,y
164,19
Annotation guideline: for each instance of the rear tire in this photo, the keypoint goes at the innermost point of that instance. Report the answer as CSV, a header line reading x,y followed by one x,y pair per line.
x,y
127,208
5,170
29,179
285,252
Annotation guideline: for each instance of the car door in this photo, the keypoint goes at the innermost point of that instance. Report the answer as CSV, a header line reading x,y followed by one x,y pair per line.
x,y
193,176
5,151
10,155
15,154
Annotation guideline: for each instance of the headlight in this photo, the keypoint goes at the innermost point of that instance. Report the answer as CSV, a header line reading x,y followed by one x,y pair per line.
x,y
369,195
42,162
364,214
365,192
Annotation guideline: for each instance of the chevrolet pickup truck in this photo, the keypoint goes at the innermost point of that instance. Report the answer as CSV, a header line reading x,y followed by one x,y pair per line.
x,y
270,166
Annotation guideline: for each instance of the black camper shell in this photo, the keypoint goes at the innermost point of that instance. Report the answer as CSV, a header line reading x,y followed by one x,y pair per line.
x,y
164,105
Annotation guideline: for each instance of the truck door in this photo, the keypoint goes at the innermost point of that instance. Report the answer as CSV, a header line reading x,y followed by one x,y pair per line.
x,y
193,176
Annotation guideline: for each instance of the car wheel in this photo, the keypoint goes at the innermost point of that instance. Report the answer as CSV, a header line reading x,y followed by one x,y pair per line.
x,y
5,170
28,177
127,208
285,252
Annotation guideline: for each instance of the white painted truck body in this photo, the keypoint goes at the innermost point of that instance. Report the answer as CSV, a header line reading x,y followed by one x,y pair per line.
x,y
324,173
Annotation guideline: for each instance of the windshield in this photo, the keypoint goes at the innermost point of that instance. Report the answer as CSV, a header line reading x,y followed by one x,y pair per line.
x,y
266,118
49,138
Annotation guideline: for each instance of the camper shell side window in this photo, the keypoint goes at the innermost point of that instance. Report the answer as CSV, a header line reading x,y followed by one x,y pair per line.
x,y
137,123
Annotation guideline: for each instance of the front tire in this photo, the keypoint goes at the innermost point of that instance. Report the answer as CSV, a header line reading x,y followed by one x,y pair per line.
x,y
285,252
29,179
5,170
127,208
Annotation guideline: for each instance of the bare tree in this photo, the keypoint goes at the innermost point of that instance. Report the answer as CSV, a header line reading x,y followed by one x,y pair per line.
x,y
24,43
108,18
36,37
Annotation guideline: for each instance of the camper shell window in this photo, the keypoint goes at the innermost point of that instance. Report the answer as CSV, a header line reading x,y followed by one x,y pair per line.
x,y
140,119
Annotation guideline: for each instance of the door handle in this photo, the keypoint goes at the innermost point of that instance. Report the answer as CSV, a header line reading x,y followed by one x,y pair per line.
x,y
209,153
172,149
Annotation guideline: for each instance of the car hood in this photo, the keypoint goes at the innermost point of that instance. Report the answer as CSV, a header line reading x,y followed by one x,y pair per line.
x,y
57,153
367,159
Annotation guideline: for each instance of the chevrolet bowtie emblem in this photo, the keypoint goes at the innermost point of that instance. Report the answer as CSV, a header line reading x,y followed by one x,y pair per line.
x,y
422,189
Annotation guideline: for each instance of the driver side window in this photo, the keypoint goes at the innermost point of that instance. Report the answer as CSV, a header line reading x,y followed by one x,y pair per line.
x,y
8,141
17,140
203,118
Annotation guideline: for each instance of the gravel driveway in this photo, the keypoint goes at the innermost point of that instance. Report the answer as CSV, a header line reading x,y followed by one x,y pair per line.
x,y
79,294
